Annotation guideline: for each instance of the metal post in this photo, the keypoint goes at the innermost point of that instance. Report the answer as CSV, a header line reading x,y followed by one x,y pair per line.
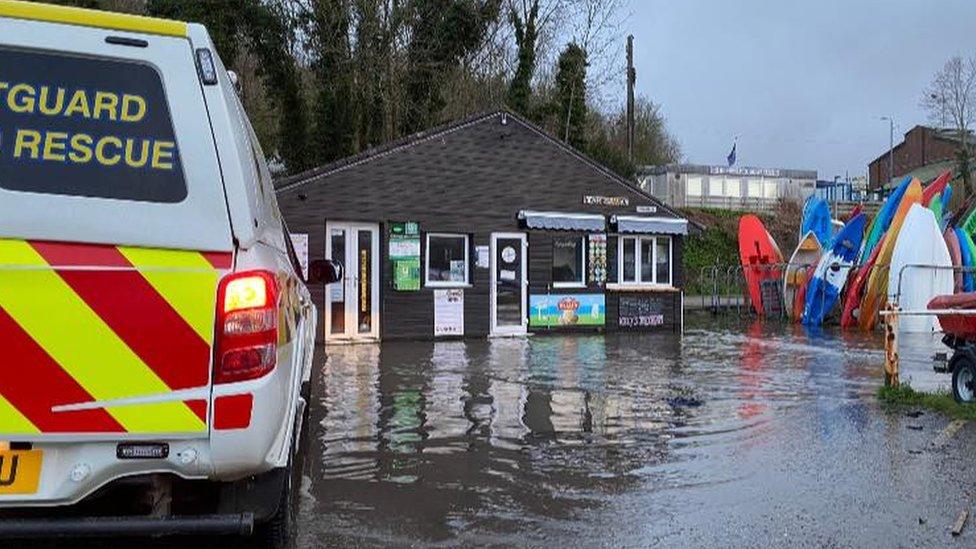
x,y
891,346
631,80
891,149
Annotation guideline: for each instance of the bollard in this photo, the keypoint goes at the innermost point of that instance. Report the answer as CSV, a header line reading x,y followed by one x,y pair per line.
x,y
891,345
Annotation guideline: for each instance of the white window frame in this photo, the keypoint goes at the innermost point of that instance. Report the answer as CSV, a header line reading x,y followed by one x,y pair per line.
x,y
582,282
467,263
653,283
695,182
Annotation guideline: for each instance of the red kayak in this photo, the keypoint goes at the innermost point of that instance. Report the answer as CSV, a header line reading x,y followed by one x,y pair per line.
x,y
960,326
760,257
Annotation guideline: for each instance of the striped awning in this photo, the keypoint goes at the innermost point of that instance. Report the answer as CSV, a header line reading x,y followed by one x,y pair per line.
x,y
559,221
650,225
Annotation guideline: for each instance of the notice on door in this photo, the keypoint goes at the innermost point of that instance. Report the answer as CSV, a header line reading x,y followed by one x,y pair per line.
x,y
449,313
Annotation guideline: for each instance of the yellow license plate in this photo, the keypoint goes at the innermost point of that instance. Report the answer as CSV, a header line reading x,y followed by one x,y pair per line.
x,y
20,471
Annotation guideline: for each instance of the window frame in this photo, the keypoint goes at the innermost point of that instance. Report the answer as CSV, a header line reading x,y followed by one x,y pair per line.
x,y
581,283
467,262
638,241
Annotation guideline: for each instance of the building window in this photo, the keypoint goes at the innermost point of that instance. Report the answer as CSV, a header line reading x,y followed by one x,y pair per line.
x,y
645,260
769,190
715,186
694,186
568,269
754,188
732,188
447,259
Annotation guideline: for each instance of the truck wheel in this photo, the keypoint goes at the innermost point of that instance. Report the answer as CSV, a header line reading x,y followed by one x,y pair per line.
x,y
964,381
277,531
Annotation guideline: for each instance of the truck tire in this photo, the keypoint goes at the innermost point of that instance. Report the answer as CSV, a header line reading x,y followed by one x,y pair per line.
x,y
964,380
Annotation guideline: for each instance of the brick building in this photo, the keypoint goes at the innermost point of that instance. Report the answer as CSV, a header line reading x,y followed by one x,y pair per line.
x,y
921,147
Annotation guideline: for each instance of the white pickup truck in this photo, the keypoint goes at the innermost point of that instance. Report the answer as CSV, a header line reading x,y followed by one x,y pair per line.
x,y
156,336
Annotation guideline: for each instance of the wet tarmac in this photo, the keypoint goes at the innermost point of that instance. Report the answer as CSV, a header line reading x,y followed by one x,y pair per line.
x,y
733,435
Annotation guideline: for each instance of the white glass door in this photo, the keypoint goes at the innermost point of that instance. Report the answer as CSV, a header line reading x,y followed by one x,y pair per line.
x,y
509,284
352,305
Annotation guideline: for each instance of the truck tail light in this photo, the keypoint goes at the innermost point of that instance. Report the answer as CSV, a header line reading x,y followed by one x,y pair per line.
x,y
247,327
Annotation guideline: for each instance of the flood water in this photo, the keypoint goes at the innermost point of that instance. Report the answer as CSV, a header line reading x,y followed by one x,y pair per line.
x,y
735,432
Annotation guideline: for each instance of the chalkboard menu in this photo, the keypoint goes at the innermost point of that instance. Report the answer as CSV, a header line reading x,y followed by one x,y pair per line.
x,y
644,310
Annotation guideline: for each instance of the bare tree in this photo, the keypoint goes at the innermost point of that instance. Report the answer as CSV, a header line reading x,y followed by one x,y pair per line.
x,y
952,97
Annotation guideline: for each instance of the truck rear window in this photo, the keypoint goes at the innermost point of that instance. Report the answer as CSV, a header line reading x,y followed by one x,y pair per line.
x,y
81,126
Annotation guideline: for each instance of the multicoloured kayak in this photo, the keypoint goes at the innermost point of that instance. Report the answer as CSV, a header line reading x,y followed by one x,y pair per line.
x,y
876,293
882,221
831,274
855,290
968,252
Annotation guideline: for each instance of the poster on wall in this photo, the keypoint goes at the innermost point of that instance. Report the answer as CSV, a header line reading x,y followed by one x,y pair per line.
x,y
598,258
449,312
567,310
643,311
404,252
300,242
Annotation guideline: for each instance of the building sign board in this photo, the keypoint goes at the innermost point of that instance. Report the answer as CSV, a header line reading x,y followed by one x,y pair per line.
x,y
449,312
735,170
404,252
642,209
594,200
567,310
642,311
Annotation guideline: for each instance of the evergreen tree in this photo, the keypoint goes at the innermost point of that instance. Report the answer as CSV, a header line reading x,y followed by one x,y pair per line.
x,y
526,36
254,25
569,109
335,120
442,33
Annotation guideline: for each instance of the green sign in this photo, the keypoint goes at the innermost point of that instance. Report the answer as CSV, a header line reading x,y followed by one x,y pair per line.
x,y
405,256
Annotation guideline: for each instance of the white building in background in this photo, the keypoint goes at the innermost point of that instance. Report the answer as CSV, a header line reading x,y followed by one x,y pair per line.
x,y
730,188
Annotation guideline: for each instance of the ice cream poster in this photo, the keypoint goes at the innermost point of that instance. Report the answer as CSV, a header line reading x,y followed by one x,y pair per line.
x,y
566,310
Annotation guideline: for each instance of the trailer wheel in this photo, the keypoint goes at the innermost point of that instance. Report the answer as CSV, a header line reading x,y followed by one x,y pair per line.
x,y
964,381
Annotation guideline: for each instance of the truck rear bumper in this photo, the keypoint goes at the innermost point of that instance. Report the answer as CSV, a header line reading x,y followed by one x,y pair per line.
x,y
229,524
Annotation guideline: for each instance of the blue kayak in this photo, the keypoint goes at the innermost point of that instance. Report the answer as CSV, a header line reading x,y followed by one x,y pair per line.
x,y
816,219
829,278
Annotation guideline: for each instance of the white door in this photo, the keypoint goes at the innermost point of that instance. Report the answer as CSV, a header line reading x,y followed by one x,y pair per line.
x,y
509,284
352,305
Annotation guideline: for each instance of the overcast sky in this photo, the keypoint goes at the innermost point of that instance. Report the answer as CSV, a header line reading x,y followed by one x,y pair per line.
x,y
803,82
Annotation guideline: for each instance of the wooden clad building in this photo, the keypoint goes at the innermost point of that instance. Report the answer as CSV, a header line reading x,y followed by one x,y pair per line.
x,y
485,227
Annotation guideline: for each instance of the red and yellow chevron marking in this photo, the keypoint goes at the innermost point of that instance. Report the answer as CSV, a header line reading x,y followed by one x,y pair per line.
x,y
83,324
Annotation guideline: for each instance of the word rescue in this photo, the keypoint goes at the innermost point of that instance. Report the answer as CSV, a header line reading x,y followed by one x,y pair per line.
x,y
82,148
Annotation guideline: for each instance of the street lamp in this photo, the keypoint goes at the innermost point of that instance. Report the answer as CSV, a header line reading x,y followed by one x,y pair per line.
x,y
891,149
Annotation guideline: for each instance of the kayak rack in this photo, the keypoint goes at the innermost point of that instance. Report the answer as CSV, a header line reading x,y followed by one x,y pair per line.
x,y
893,313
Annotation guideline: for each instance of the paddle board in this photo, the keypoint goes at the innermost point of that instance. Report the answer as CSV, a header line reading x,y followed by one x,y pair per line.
x,y
952,243
830,277
807,254
876,292
913,287
760,258
816,219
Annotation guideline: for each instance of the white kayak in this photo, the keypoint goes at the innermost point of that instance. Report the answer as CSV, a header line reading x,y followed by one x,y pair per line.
x,y
919,242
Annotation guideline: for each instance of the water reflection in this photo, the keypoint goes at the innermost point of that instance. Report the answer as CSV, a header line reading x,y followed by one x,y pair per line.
x,y
424,442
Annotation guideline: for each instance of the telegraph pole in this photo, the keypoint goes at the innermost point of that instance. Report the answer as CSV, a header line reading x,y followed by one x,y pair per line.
x,y
631,80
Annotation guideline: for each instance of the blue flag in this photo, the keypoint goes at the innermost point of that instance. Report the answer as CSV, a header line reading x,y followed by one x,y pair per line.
x,y
731,157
